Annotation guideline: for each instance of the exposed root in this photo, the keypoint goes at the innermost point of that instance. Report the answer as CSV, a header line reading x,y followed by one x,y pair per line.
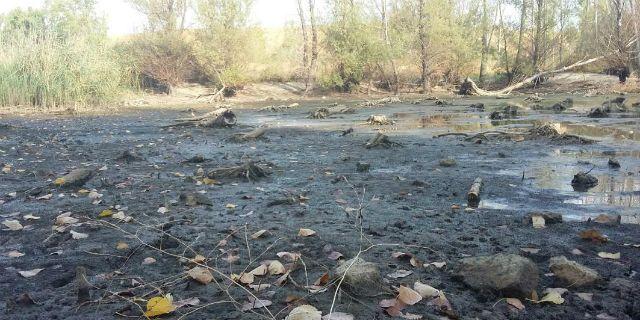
x,y
248,170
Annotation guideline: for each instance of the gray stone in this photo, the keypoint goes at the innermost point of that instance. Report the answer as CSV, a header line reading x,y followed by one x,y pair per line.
x,y
508,274
361,278
571,273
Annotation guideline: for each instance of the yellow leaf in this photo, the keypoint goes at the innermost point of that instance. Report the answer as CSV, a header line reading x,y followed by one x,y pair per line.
x,y
158,306
105,213
306,232
552,297
230,206
607,255
59,181
208,181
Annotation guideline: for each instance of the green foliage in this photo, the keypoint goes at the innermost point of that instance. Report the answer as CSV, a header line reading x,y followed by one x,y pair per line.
x,y
57,56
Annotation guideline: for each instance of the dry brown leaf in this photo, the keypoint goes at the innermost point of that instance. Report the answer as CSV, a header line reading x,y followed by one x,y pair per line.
x,y
593,235
438,265
259,287
530,250
607,255
335,255
516,303
30,217
255,304
304,312
148,261
122,245
200,274
280,281
78,235
426,291
246,278
552,297
261,270
538,222
65,219
323,280
276,267
408,296
585,296
399,274
15,254
338,316
13,225
258,234
306,232
30,273
198,259
291,256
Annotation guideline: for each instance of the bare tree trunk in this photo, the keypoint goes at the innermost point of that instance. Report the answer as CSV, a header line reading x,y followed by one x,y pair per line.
x,y
617,9
537,41
314,45
523,20
422,34
305,45
504,38
387,41
485,42
636,26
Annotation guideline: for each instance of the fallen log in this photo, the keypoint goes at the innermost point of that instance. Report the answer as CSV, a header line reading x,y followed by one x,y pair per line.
x,y
249,136
328,111
222,117
473,197
470,88
75,178
380,140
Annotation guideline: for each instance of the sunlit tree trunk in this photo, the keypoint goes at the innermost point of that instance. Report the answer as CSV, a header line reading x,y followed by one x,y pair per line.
x,y
422,35
523,20
537,40
314,45
385,35
485,42
305,45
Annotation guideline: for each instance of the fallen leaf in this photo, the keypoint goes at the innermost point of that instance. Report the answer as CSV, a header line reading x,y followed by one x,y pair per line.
x,y
438,265
516,303
335,255
163,210
148,261
291,256
585,296
15,254
323,280
538,222
338,316
230,206
255,304
399,274
408,296
530,250
259,287
306,232
577,252
200,274
246,278
158,306
593,235
607,255
276,267
45,197
13,225
283,278
59,181
30,273
426,291
261,270
258,234
65,218
105,213
121,216
122,245
30,217
442,302
304,312
607,219
552,297
78,235
198,259
186,302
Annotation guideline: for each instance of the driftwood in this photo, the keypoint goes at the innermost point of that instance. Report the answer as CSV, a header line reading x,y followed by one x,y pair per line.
x,y
469,87
380,140
248,170
249,136
328,111
473,197
222,117
75,178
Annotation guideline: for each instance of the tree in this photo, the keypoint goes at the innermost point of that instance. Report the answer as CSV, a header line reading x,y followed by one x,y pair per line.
x,y
163,15
422,38
305,45
523,18
485,41
314,43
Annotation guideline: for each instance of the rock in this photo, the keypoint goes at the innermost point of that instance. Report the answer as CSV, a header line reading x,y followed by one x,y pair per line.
x,y
549,217
362,278
571,273
363,166
583,181
75,178
508,274
448,162
196,159
128,156
613,163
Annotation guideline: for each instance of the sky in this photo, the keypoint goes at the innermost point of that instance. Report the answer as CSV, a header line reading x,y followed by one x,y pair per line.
x,y
123,19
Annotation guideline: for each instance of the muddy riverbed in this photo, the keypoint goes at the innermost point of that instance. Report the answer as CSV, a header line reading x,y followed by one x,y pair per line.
x,y
408,202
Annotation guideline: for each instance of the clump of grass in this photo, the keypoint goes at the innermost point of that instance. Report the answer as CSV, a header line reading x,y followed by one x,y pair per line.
x,y
47,62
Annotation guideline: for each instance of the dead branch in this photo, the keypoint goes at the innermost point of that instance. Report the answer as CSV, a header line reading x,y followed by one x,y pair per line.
x,y
380,140
249,136
473,197
469,87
